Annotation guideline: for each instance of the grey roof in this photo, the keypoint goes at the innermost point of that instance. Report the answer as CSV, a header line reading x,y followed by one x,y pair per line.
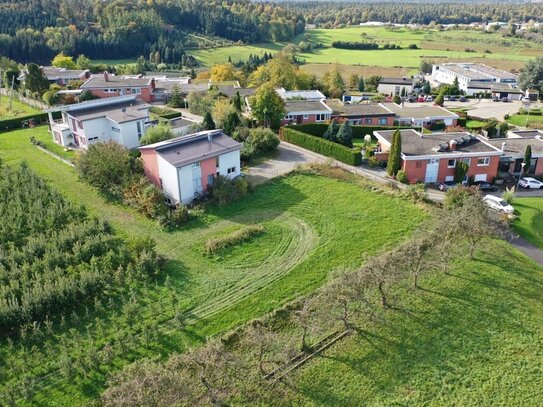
x,y
181,122
418,111
53,71
415,143
300,94
293,106
99,81
119,113
363,109
480,72
191,148
517,146
396,81
230,90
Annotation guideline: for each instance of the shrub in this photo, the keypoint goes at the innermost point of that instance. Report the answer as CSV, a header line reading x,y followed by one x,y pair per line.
x,y
509,195
19,122
156,134
216,244
457,196
401,176
354,45
259,141
321,146
374,161
165,113
107,166
417,192
225,190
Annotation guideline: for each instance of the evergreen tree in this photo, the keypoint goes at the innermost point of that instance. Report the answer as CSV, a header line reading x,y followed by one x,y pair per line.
x,y
440,99
345,134
176,100
331,131
231,123
460,171
236,102
208,123
527,158
396,99
427,89
403,92
361,85
35,80
394,154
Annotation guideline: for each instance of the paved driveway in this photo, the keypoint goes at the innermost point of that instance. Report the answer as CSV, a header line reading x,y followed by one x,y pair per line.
x,y
486,108
286,160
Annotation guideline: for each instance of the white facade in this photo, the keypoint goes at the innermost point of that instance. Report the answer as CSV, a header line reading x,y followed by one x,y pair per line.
x,y
470,72
393,89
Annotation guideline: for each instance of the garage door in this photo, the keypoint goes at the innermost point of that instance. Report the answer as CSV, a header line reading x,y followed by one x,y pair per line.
x,y
480,177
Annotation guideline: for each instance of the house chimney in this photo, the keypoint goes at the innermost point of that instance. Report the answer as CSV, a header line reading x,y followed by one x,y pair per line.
x,y
140,76
452,144
210,137
503,146
106,76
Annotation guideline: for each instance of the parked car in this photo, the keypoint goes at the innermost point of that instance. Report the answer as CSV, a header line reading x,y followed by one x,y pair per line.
x,y
530,183
445,186
462,99
429,99
526,99
485,186
495,99
505,100
452,98
498,204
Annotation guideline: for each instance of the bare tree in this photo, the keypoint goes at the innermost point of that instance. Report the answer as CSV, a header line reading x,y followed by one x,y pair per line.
x,y
417,256
304,319
266,346
383,271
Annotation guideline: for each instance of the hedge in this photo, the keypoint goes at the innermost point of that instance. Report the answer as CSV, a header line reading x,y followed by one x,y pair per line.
x,y
165,113
318,129
319,145
17,123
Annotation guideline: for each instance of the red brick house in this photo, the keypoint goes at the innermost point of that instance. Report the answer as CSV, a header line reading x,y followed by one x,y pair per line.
x,y
514,148
432,158
306,111
365,114
109,85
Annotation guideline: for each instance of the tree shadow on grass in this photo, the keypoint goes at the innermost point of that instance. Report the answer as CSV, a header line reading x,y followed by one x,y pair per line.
x,y
459,326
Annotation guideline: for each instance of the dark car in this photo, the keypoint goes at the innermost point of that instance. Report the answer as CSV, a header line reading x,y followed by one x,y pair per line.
x,y
462,99
452,98
485,186
495,99
506,100
445,186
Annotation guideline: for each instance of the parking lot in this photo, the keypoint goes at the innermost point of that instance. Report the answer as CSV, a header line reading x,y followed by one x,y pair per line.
x,y
486,108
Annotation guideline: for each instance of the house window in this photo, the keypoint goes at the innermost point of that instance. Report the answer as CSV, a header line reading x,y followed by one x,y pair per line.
x,y
306,116
138,124
418,164
397,90
368,121
115,129
451,163
320,117
383,120
231,170
136,91
210,179
483,162
467,161
196,165
80,124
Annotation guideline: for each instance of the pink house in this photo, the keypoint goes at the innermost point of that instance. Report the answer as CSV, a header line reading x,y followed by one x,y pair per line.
x,y
186,166
109,85
432,158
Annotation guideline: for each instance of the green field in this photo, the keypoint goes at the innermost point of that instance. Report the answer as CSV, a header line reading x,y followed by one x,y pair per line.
x,y
18,109
530,221
473,338
305,240
493,49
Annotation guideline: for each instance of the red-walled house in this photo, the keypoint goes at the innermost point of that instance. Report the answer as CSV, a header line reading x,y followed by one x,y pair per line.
x,y
514,148
365,114
186,166
109,85
432,158
306,111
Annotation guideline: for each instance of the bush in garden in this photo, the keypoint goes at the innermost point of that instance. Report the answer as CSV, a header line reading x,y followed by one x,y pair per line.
x,y
401,176
225,190
259,141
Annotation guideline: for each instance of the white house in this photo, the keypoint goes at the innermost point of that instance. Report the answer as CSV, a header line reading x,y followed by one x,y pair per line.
x,y
470,72
394,86
187,166
120,119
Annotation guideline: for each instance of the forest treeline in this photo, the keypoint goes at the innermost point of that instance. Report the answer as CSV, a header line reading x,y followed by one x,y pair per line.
x,y
35,30
337,14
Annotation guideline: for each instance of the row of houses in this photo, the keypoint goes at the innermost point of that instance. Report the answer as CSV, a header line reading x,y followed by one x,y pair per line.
x,y
432,158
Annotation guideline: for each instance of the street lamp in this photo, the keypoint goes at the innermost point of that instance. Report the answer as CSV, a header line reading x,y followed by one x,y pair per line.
x,y
520,175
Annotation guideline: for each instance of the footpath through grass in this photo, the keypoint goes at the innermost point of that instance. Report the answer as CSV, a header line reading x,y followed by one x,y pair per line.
x,y
313,226
530,219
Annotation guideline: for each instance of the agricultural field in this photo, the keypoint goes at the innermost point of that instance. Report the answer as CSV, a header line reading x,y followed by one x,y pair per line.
x,y
434,45
197,295
18,108
530,219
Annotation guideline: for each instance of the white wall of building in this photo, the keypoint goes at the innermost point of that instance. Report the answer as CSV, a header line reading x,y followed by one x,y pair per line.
x,y
391,89
229,160
168,176
186,184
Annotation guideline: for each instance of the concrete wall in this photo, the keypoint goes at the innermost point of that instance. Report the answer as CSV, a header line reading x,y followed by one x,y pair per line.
x,y
228,160
168,179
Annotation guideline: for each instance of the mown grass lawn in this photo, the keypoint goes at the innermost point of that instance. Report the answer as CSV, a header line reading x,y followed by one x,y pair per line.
x,y
313,226
473,338
530,219
18,108
521,120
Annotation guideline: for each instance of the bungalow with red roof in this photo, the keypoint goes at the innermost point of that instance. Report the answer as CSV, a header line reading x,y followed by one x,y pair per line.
x,y
109,85
432,158
186,166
